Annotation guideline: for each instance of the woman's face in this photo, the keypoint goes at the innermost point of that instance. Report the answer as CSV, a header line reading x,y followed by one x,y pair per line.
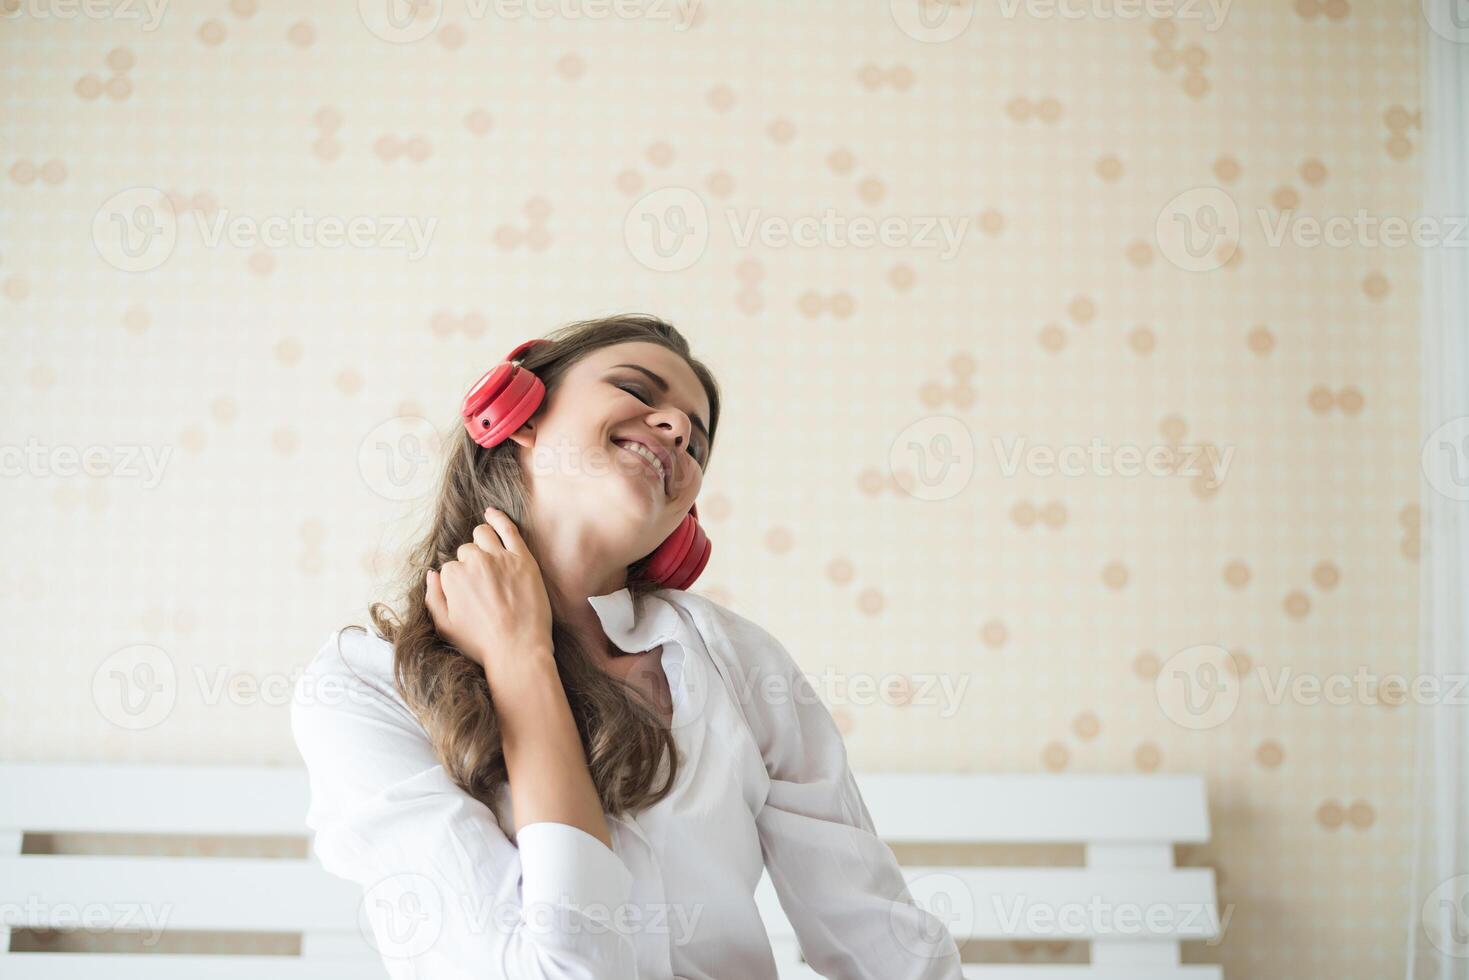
x,y
589,442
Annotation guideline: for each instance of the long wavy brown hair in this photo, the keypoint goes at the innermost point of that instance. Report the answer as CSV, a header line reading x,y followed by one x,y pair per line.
x,y
624,738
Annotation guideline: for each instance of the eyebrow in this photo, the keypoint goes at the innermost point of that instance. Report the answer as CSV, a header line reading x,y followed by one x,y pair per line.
x,y
663,390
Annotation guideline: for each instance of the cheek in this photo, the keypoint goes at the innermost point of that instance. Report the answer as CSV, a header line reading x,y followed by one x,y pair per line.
x,y
693,481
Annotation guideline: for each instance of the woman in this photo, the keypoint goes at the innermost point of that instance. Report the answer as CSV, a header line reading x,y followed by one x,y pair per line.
x,y
560,763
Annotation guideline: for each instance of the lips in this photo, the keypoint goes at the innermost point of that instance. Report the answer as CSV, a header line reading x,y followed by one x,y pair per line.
x,y
656,450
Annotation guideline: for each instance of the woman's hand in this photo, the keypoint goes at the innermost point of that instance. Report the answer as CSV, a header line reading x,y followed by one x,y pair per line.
x,y
491,603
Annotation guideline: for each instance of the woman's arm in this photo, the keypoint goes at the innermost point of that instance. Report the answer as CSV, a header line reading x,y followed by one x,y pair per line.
x,y
838,881
447,894
547,766
491,603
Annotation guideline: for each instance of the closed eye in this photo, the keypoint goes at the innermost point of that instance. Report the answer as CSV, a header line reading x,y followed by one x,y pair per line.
x,y
636,390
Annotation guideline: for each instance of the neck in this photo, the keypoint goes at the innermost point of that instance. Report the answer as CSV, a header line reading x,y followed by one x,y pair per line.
x,y
574,566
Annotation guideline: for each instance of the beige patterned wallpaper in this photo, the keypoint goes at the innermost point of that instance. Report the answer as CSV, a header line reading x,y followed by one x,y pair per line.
x,y
1045,409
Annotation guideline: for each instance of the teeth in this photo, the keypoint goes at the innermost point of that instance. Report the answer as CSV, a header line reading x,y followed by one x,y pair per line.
x,y
644,452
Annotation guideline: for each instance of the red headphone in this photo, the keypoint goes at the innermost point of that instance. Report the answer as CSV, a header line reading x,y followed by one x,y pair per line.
x,y
507,395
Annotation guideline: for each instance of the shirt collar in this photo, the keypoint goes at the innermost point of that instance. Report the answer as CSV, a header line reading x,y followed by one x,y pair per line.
x,y
635,627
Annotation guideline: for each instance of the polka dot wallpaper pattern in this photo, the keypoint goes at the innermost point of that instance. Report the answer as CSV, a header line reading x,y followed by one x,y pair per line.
x,y
1029,407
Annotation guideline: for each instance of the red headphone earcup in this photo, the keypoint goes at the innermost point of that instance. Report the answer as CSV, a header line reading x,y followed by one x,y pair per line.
x,y
693,565
506,405
682,556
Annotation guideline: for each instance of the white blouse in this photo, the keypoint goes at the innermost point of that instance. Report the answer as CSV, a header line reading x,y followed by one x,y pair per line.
x,y
763,782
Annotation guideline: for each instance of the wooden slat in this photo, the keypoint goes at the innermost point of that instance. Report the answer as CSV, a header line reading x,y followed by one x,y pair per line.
x,y
226,894
10,843
1073,971
1136,952
143,966
1036,807
982,903
86,966
126,799
1084,971
1078,971
906,807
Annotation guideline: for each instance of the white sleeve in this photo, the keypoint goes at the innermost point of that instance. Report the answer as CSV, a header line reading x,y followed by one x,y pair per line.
x,y
446,892
838,882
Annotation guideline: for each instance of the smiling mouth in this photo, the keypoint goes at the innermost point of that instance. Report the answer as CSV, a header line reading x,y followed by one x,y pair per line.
x,y
656,468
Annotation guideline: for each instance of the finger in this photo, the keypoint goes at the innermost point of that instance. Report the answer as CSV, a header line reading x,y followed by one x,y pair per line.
x,y
433,596
508,532
487,538
468,551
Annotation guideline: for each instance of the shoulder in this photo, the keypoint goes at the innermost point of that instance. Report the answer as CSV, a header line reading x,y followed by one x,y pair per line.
x,y
348,683
351,650
353,656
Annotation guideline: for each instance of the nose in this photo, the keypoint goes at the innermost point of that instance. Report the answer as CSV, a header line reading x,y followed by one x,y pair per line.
x,y
677,423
